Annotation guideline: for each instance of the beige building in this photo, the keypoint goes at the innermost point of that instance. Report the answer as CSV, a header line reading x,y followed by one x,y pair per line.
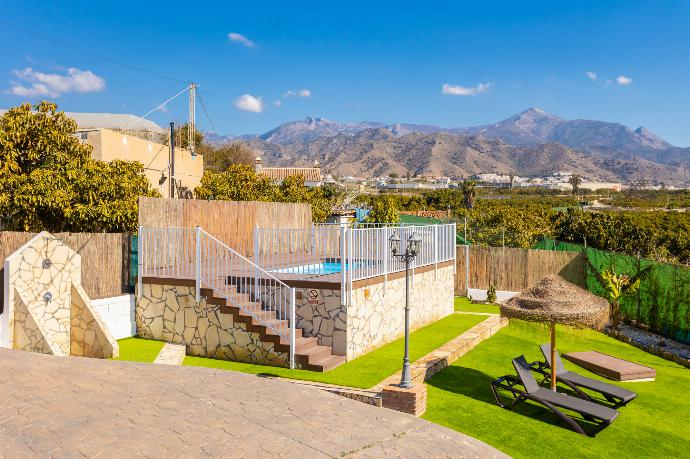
x,y
109,145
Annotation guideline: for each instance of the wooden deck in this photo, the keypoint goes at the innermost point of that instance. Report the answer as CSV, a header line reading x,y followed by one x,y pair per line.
x,y
611,367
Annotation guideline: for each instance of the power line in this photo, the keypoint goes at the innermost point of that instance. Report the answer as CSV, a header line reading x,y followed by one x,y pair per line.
x,y
81,50
203,107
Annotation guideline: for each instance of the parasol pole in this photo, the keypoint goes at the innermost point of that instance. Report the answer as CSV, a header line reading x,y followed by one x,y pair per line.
x,y
553,356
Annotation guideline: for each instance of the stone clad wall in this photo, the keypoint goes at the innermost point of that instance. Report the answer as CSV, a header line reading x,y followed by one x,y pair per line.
x,y
89,336
323,317
170,313
41,279
376,315
43,265
27,334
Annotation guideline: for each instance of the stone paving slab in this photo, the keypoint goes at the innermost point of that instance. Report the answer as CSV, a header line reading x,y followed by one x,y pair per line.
x,y
171,354
76,407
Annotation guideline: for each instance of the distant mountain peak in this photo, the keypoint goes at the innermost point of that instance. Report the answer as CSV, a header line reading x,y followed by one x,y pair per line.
x,y
650,139
536,113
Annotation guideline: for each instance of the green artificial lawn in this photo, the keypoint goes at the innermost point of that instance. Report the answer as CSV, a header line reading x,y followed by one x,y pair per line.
x,y
137,349
370,369
655,424
463,304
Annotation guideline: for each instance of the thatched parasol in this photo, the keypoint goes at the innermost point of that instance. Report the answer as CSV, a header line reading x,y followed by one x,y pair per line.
x,y
554,300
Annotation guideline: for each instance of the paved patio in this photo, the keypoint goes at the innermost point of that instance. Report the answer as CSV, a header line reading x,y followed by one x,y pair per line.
x,y
76,407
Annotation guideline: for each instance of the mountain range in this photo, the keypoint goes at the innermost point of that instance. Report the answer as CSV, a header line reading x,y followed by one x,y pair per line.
x,y
531,143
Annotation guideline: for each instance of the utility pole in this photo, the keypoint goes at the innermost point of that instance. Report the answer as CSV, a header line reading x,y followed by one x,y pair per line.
x,y
192,116
171,162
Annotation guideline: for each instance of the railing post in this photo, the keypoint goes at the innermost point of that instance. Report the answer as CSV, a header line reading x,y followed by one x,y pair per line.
x,y
436,241
350,263
197,262
384,242
343,273
293,325
452,243
140,261
256,261
467,270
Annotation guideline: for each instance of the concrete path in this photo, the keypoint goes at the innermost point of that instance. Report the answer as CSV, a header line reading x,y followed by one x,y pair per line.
x,y
171,354
75,407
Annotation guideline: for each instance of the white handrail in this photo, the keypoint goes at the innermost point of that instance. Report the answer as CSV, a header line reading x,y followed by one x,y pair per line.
x,y
194,253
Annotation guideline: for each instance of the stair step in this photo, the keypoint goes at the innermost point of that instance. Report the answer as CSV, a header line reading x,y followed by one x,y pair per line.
x,y
326,364
268,323
314,353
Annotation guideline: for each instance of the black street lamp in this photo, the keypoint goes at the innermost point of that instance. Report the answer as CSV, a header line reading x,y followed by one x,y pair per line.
x,y
414,243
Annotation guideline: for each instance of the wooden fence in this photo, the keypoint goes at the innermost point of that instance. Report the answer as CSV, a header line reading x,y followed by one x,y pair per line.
x,y
105,259
232,222
437,214
515,269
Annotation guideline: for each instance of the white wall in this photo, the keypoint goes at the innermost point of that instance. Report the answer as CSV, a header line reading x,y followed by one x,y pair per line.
x,y
118,314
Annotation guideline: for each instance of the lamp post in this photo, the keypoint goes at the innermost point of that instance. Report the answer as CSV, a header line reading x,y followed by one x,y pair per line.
x,y
413,245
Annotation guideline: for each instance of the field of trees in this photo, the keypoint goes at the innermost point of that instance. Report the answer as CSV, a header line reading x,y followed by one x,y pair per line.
x,y
521,218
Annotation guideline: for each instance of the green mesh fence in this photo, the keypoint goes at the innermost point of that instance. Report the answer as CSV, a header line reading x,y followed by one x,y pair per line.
x,y
663,300
134,261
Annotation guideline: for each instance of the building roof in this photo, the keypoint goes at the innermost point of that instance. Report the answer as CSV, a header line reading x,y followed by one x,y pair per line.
x,y
114,121
278,174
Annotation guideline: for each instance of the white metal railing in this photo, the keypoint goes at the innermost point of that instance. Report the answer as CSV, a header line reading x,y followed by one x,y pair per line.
x,y
195,254
352,252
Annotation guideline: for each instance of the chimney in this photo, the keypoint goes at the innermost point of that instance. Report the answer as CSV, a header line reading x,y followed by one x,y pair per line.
x,y
258,164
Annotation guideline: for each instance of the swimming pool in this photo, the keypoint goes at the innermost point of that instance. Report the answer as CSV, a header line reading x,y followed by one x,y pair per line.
x,y
315,268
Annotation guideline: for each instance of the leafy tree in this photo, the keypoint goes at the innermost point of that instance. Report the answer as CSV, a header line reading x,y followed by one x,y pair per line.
x,y
469,193
384,211
616,286
575,180
220,158
239,182
48,180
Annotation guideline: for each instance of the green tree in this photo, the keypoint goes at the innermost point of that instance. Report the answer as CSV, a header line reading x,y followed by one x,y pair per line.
x,y
48,180
239,182
575,180
616,286
384,210
469,193
220,158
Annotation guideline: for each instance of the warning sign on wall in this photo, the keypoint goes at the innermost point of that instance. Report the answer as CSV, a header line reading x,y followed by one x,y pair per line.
x,y
313,296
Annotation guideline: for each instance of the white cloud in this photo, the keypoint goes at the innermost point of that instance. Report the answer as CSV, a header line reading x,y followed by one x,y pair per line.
x,y
458,90
623,80
249,103
591,75
55,84
300,93
277,102
239,38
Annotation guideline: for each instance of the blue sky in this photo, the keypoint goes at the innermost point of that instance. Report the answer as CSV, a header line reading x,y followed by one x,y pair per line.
x,y
381,61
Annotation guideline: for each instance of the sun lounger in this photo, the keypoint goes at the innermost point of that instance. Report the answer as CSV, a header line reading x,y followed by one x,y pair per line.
x,y
590,411
614,394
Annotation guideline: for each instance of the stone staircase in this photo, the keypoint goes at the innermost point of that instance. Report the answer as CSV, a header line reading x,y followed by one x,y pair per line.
x,y
309,355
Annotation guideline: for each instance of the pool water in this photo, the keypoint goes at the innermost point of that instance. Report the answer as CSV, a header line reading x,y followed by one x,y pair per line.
x,y
316,268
